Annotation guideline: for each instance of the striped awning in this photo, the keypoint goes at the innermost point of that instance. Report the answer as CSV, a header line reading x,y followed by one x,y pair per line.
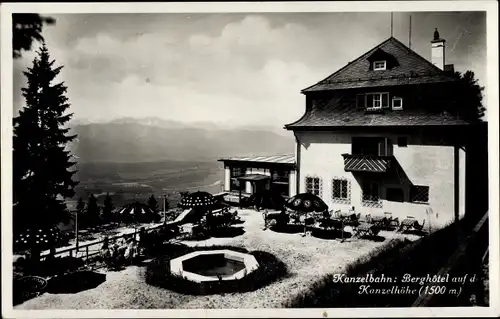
x,y
366,163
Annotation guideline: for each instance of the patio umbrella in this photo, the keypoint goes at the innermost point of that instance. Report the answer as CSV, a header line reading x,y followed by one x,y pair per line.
x,y
200,204
306,203
136,212
38,239
197,200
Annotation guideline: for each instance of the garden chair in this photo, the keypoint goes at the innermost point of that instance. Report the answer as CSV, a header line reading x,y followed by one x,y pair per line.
x,y
295,218
235,216
337,214
391,221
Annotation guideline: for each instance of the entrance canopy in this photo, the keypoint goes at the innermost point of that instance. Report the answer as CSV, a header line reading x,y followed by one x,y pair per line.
x,y
254,177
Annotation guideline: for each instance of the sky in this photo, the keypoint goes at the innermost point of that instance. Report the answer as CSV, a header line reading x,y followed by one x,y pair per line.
x,y
232,69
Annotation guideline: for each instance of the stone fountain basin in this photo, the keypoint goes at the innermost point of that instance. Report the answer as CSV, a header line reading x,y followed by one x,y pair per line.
x,y
197,266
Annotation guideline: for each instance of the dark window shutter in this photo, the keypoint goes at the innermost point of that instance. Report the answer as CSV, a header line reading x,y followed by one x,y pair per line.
x,y
360,101
390,148
382,147
385,100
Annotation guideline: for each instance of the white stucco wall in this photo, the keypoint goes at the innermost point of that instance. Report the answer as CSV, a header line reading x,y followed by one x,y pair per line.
x,y
462,182
227,179
427,165
292,179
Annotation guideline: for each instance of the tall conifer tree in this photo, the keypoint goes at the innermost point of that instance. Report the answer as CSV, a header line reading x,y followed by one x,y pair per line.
x,y
42,166
107,209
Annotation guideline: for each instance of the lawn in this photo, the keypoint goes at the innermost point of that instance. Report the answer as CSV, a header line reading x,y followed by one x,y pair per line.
x,y
307,258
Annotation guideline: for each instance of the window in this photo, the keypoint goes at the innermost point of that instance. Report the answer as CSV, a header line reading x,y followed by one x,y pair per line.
x,y
375,146
377,100
419,194
379,65
280,176
402,141
370,196
395,194
313,185
280,182
236,172
397,103
341,191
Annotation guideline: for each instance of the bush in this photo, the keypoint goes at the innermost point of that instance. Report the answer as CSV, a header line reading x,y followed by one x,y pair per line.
x,y
158,273
153,241
48,267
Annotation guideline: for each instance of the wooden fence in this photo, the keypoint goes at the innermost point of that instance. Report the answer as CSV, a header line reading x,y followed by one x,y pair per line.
x,y
92,249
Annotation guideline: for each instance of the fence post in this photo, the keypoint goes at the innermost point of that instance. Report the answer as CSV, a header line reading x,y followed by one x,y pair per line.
x,y
87,251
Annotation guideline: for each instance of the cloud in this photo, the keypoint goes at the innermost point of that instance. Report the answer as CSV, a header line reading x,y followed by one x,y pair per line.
x,y
232,68
249,73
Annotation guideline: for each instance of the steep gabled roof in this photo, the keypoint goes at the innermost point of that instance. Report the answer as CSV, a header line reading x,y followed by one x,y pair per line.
x,y
410,66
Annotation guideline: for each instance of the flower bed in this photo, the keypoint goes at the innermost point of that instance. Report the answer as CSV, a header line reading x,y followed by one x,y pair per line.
x,y
158,273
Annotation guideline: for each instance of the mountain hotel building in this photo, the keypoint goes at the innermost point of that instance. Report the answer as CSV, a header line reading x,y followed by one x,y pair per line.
x,y
376,137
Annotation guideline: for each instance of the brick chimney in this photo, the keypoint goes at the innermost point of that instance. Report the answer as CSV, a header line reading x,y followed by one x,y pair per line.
x,y
437,50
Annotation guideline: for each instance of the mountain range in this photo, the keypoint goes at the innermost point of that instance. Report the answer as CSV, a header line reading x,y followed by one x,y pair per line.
x,y
130,140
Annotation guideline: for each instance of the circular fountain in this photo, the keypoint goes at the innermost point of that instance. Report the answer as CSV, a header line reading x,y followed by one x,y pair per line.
x,y
214,265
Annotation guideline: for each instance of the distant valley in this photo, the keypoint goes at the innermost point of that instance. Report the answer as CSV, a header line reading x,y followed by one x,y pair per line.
x,y
134,158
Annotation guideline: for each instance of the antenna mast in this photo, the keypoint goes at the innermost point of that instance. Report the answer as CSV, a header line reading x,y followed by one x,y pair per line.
x,y
409,36
391,25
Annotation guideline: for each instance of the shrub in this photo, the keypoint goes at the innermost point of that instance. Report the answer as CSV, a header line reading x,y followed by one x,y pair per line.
x,y
49,266
158,273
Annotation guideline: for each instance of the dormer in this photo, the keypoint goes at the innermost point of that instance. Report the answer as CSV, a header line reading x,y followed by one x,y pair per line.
x,y
381,60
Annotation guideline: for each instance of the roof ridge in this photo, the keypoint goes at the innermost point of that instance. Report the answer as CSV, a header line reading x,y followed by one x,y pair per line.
x,y
349,63
417,55
433,72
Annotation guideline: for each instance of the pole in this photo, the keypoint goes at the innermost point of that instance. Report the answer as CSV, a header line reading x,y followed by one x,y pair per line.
x,y
391,25
76,231
409,35
164,208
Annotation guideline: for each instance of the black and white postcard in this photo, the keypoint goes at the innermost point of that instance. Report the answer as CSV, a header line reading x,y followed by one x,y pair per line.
x,y
244,159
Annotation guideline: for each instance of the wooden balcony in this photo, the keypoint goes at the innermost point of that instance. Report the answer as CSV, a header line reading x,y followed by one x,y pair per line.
x,y
367,163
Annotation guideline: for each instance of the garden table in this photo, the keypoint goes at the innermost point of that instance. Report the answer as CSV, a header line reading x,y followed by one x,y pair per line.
x,y
410,223
332,223
364,229
378,220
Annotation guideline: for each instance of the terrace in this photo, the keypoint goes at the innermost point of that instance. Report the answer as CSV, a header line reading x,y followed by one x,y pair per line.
x,y
307,259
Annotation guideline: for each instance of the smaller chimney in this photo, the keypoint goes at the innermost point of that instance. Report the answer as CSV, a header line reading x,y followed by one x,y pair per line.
x,y
449,68
437,50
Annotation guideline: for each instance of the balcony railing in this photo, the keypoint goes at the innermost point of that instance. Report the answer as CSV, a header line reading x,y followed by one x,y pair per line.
x,y
366,163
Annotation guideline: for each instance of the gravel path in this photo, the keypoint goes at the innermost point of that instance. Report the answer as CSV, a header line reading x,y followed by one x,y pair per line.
x,y
308,259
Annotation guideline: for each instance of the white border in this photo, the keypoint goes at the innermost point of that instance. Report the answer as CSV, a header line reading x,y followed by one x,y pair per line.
x,y
395,6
